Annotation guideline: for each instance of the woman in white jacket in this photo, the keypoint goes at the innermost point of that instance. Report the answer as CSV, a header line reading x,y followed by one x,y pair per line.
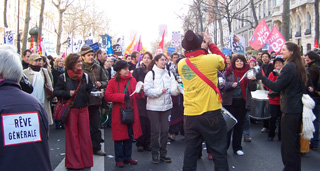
x,y
159,85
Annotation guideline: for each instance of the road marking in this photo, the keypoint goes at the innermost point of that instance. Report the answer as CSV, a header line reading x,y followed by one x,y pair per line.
x,y
98,161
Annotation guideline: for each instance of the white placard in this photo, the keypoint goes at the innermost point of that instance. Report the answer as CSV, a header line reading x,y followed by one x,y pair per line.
x,y
21,128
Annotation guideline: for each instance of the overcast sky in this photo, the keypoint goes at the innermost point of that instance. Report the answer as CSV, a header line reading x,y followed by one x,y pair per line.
x,y
144,17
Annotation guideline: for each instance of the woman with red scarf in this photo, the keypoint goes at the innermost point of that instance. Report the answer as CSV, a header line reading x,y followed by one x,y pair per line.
x,y
236,97
75,83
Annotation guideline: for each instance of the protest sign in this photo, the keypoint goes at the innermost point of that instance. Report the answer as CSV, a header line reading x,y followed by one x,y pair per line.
x,y
226,51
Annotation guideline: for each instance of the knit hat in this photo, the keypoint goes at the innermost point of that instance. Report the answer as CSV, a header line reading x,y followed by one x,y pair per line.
x,y
252,60
85,49
120,65
191,41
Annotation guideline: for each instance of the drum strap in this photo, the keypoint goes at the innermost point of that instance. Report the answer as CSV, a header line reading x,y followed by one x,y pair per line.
x,y
204,78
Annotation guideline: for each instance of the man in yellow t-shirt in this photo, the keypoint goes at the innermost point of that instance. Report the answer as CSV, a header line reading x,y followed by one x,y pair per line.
x,y
202,106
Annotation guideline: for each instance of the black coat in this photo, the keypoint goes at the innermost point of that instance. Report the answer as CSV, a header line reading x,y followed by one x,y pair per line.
x,y
55,74
139,74
314,73
62,90
291,88
28,156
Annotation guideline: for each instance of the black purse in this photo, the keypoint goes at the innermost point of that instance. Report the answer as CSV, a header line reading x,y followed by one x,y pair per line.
x,y
127,114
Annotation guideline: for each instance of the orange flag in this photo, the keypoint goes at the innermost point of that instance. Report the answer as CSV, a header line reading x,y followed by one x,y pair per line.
x,y
316,44
160,46
129,47
39,46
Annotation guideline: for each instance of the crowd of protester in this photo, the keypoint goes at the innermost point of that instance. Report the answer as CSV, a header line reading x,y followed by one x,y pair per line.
x,y
172,101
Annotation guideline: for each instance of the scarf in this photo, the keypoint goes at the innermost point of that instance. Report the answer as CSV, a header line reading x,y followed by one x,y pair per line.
x,y
59,69
195,53
35,68
75,75
244,82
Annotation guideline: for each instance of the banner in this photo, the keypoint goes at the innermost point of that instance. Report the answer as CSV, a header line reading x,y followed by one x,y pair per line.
x,y
260,35
163,28
117,49
109,46
275,40
95,46
8,36
237,44
176,38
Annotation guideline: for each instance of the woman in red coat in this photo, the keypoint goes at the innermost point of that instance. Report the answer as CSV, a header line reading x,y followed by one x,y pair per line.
x,y
123,134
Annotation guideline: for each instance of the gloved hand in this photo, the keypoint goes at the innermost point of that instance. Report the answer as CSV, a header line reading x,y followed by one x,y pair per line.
x,y
259,75
273,94
126,97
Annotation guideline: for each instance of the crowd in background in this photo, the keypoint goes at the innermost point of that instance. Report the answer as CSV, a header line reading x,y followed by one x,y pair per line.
x,y
158,106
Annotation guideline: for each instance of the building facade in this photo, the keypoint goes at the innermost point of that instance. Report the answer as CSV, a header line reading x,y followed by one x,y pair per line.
x,y
302,19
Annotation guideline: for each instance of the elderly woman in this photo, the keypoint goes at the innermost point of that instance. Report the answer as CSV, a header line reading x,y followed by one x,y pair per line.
x,y
15,105
38,77
236,98
75,83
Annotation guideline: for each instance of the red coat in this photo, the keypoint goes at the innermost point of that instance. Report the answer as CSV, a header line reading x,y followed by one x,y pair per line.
x,y
114,93
275,100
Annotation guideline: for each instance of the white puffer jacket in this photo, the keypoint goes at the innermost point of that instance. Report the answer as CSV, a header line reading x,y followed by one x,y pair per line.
x,y
156,100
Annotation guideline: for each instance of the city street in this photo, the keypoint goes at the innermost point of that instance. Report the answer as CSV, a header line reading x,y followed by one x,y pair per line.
x,y
260,155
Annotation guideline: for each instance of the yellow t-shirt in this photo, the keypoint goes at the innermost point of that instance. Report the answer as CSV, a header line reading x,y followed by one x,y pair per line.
x,y
199,97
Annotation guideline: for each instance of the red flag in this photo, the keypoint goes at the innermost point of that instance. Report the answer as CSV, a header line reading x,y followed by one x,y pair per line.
x,y
260,35
275,40
39,46
162,40
31,44
160,46
316,44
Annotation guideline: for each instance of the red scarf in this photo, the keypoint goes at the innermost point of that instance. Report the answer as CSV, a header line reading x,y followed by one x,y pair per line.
x,y
244,82
195,53
75,75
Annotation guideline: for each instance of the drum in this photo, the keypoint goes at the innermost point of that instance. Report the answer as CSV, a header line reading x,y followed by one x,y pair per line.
x,y
260,105
229,118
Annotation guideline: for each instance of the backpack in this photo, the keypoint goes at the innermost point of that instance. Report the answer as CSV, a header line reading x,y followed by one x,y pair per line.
x,y
154,74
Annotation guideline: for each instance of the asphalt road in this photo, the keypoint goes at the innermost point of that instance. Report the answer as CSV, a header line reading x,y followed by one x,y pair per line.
x,y
260,155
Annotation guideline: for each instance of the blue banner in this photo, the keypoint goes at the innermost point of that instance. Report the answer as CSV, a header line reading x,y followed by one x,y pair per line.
x,y
109,46
226,51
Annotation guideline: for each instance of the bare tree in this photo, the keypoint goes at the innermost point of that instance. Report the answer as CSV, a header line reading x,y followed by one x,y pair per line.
x,y
41,18
254,14
5,13
316,23
26,27
285,20
62,6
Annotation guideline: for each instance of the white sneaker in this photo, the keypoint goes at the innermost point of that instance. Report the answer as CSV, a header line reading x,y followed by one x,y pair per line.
x,y
264,130
240,153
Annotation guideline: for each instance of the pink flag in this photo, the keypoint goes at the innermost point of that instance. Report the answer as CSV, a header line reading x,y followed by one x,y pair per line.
x,y
275,40
260,35
139,48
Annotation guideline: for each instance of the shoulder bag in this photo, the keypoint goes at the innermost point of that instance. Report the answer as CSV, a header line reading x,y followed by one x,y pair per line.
x,y
62,108
127,114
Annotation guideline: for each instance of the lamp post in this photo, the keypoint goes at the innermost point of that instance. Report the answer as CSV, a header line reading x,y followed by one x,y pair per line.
x,y
18,29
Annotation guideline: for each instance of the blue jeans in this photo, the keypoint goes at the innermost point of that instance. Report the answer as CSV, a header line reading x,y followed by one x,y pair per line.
x,y
315,140
123,149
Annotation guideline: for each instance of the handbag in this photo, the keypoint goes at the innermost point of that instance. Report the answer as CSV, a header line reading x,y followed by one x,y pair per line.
x,y
227,116
127,114
62,108
47,88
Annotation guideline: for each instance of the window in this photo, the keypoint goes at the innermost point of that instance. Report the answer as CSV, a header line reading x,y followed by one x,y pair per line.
x,y
269,7
259,11
274,3
242,21
298,33
308,30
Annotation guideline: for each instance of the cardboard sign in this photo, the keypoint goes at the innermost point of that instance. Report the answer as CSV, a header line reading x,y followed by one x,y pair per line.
x,y
226,51
21,128
260,35
275,40
117,49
